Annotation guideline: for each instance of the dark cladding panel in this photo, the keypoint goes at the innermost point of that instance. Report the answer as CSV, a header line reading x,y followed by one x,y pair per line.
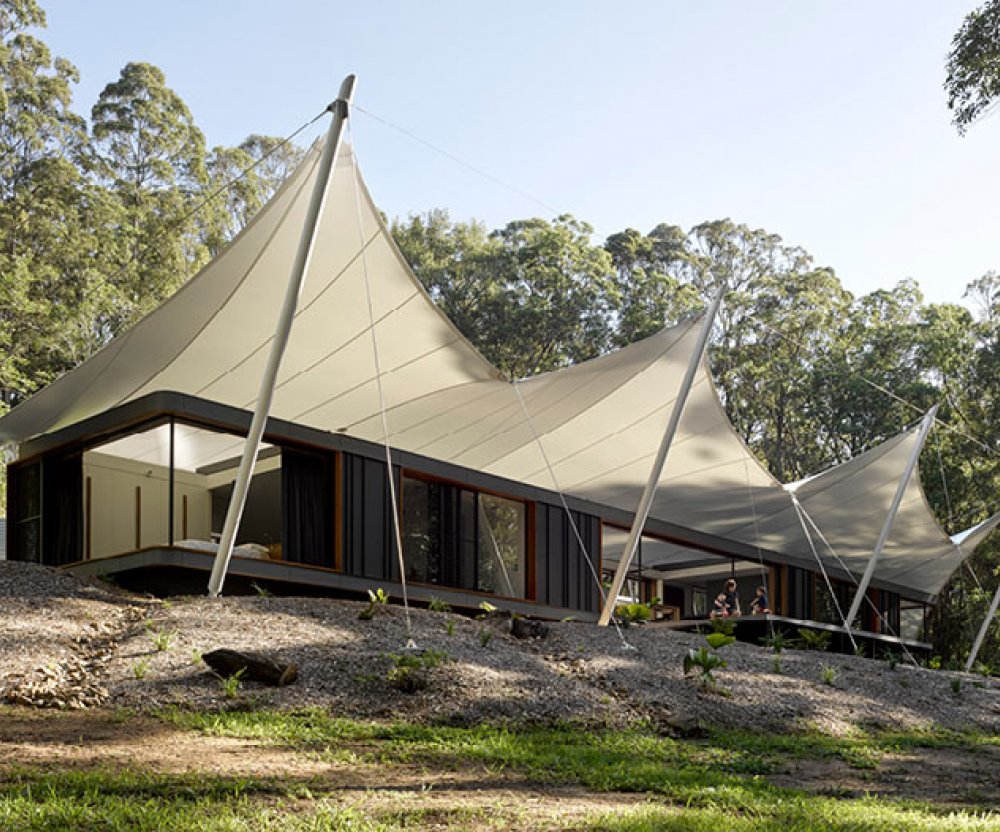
x,y
564,578
24,529
62,510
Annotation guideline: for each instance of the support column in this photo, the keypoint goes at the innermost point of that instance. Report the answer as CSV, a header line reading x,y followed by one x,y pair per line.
x,y
646,502
983,631
328,159
911,464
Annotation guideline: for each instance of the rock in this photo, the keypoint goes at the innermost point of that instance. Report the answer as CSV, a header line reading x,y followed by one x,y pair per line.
x,y
528,628
227,662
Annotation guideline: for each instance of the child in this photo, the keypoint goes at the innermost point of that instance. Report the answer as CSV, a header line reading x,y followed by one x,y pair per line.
x,y
721,608
759,605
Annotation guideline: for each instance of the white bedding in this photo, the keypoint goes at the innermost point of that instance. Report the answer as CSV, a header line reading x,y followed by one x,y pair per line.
x,y
244,550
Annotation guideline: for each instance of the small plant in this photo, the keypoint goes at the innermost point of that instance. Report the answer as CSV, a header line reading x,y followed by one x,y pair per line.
x,y
860,650
449,627
719,640
196,656
722,625
777,641
150,625
409,672
818,640
777,665
485,637
437,605
162,640
704,661
892,659
934,662
377,599
139,669
486,608
633,613
231,684
956,686
828,673
983,669
263,592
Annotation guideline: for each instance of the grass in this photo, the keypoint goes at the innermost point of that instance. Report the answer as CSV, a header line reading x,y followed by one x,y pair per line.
x,y
32,801
718,782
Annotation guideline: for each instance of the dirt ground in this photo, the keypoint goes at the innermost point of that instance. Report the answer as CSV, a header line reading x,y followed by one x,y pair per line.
x,y
88,740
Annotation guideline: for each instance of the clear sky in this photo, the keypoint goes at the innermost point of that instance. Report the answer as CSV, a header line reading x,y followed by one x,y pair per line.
x,y
824,122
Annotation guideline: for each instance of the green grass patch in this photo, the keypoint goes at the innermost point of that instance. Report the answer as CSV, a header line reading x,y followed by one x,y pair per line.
x,y
720,779
33,801
804,815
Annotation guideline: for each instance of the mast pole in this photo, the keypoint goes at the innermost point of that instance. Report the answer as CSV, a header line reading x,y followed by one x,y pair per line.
x,y
897,500
646,502
340,110
983,631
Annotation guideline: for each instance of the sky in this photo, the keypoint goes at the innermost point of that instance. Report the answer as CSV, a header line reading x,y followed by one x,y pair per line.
x,y
823,122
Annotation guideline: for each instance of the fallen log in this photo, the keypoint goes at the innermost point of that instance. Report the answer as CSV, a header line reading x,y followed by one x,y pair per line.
x,y
259,668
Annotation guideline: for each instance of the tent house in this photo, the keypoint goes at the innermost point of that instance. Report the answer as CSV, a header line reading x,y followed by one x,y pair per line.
x,y
521,491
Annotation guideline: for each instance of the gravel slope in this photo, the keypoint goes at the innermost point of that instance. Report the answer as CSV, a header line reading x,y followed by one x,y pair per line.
x,y
67,643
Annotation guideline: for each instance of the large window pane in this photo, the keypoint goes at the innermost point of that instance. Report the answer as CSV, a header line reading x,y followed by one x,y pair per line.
x,y
422,530
502,535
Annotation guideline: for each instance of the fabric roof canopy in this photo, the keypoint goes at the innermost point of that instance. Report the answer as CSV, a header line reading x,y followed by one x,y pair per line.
x,y
599,422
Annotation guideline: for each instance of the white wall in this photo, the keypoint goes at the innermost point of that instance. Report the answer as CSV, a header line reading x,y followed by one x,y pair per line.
x,y
113,504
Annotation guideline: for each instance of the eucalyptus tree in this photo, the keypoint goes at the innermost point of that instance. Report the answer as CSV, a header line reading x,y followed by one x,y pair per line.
x,y
532,296
651,293
148,151
46,239
972,80
239,181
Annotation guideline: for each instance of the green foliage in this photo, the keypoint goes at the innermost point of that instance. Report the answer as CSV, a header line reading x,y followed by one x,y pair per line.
x,y
956,685
231,684
485,637
973,68
162,640
719,780
719,640
409,672
814,639
704,661
449,627
437,605
140,668
377,599
777,641
828,673
776,664
633,613
726,626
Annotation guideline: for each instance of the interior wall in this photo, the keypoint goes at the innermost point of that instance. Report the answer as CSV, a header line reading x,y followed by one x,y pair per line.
x,y
129,505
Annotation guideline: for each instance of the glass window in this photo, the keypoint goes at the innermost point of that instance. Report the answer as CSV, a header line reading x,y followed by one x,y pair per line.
x,y
502,535
422,530
457,537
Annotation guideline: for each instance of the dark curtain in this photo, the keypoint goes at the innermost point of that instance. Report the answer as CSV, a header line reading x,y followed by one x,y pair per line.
x,y
307,494
62,510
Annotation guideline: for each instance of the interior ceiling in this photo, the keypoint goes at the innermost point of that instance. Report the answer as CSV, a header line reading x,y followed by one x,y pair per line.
x,y
591,430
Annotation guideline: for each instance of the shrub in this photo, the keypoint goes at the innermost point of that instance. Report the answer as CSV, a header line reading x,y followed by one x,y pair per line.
x,y
634,613
814,639
828,674
162,641
409,672
231,684
777,641
437,605
704,661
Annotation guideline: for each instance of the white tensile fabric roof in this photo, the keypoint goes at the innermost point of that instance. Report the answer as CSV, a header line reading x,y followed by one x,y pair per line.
x,y
599,422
